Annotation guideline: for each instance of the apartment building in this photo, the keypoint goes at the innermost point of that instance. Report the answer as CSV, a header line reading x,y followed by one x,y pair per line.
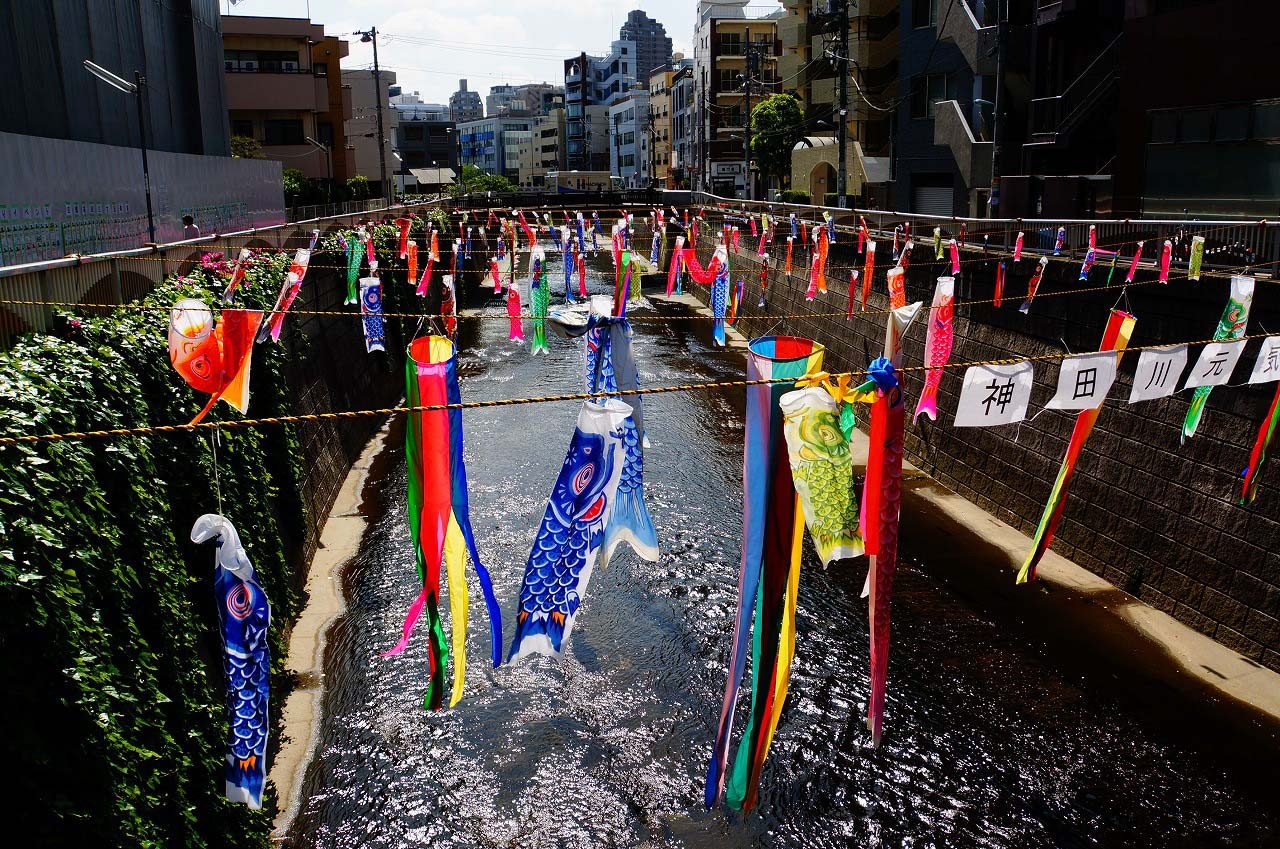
x,y
465,105
683,122
653,46
628,139
285,87
735,60
810,66
595,81
492,144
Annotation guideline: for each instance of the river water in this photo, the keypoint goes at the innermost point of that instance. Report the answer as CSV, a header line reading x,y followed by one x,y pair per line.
x,y
992,737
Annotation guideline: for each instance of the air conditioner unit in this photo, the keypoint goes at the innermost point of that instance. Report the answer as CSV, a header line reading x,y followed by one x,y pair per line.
x,y
289,67
249,65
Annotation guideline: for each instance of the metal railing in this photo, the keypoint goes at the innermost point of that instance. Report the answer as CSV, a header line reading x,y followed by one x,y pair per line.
x,y
1055,114
309,212
121,276
1229,243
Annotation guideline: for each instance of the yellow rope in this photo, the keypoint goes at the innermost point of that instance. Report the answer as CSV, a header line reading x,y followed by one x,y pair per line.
x,y
540,399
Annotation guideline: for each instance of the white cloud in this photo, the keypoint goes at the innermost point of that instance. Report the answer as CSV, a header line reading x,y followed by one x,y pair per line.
x,y
486,42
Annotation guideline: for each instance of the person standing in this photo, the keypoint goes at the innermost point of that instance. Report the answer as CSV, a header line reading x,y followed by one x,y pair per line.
x,y
189,228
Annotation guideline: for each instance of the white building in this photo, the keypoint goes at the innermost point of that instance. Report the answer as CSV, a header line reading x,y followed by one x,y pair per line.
x,y
362,127
412,108
628,139
492,144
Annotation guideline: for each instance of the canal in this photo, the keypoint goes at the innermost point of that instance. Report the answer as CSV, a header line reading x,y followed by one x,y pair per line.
x,y
997,735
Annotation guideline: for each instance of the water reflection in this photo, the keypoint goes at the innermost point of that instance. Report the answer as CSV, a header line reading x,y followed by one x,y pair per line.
x,y
988,743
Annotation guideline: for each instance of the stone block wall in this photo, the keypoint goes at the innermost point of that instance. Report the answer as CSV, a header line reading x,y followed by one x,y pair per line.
x,y
1157,518
336,375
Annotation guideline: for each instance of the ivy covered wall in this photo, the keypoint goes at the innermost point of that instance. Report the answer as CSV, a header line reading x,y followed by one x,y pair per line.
x,y
114,714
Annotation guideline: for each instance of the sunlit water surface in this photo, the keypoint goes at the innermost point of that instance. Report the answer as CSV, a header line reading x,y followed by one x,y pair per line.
x,y
988,741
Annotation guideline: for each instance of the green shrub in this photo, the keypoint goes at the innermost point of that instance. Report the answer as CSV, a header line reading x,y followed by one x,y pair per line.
x,y
114,707
792,196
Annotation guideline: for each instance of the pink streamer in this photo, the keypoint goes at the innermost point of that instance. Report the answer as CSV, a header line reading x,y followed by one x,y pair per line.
x,y
425,282
410,619
1133,266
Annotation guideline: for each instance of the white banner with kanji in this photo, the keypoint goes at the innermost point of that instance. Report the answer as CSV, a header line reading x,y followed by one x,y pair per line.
x,y
1158,373
994,395
1217,361
1084,381
1266,368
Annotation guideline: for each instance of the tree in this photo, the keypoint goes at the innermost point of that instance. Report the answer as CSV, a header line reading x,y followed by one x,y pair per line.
x,y
472,179
246,147
299,188
358,186
776,125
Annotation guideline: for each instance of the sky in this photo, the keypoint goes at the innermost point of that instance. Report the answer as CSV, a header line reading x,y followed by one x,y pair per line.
x,y
431,44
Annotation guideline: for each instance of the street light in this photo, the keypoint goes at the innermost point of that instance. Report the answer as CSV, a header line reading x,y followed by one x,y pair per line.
x,y
138,90
328,165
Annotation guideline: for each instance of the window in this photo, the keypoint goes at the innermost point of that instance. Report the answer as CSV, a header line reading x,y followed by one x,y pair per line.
x,y
1164,127
1195,125
1266,121
260,61
324,133
242,127
728,79
1232,124
287,131
924,13
320,69
927,90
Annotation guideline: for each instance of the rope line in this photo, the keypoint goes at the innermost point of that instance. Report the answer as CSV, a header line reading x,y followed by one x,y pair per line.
x,y
541,399
634,318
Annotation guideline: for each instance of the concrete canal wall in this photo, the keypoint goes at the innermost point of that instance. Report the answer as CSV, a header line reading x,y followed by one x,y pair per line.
x,y
1156,519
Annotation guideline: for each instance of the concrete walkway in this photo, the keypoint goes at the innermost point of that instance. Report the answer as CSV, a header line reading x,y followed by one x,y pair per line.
x,y
301,716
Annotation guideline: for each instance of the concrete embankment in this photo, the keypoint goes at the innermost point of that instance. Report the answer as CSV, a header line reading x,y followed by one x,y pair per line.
x,y
978,555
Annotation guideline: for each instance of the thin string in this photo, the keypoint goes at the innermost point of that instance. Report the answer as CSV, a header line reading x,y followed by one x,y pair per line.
x,y
215,437
511,402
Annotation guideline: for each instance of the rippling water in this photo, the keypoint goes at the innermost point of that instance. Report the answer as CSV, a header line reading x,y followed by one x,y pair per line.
x,y
990,740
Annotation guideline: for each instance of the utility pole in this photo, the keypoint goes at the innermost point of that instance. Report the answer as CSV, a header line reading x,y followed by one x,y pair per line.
x,y
997,125
844,67
372,36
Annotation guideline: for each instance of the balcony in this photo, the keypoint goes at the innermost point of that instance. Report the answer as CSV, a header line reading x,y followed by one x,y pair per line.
x,y
283,92
1054,117
975,41
793,31
823,91
973,157
789,69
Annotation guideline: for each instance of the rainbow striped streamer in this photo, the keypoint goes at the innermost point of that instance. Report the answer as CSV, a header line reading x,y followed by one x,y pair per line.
x,y
439,516
1114,338
772,530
